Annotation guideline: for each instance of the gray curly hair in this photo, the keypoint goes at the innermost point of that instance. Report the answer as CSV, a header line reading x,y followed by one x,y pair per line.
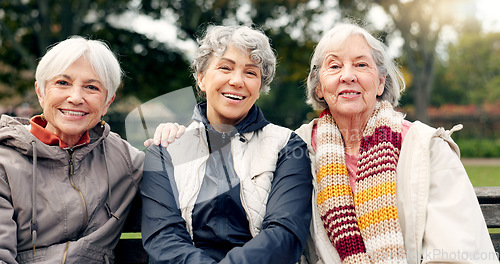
x,y
218,38
333,39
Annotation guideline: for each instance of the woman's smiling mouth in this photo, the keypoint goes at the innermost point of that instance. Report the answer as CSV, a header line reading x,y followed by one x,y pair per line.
x,y
72,113
233,96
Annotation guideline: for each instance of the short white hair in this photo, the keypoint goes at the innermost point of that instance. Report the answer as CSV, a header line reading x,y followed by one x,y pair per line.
x,y
61,55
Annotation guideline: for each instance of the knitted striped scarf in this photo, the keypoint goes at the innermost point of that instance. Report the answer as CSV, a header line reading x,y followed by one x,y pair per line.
x,y
364,229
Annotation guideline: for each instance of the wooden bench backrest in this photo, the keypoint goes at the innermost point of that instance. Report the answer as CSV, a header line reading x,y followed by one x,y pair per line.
x,y
489,199
130,251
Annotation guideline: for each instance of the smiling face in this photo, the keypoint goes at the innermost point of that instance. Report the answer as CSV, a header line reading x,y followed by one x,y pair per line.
x,y
349,80
74,101
232,85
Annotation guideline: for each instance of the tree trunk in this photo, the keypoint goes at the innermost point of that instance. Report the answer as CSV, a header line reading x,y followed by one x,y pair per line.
x,y
421,101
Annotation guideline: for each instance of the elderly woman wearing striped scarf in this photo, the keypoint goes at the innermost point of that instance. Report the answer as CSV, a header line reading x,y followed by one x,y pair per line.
x,y
386,190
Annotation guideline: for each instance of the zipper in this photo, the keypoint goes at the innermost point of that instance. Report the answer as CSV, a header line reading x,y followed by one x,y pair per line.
x,y
244,205
242,197
65,255
189,227
70,176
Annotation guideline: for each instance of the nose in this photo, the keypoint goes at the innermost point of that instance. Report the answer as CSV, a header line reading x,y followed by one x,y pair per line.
x,y
236,79
348,75
75,95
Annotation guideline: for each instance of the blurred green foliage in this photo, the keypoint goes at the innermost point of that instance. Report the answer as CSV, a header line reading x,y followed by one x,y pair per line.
x,y
474,148
153,68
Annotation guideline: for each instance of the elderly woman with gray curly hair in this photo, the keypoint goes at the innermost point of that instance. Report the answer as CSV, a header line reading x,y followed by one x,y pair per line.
x,y
234,188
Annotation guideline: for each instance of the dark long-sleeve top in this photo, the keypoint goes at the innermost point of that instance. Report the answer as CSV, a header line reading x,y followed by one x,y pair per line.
x,y
220,226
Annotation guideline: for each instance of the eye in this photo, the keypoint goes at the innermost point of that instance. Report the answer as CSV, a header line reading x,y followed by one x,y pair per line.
x,y
224,67
334,65
362,64
253,73
92,87
62,82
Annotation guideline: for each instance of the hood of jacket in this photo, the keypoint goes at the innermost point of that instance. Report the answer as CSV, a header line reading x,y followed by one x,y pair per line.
x,y
15,133
103,198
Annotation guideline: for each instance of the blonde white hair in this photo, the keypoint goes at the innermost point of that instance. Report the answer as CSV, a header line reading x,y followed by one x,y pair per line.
x,y
61,55
334,39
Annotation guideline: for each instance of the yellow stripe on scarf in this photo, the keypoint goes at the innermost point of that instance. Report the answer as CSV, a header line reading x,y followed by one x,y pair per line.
x,y
374,192
331,169
333,191
377,216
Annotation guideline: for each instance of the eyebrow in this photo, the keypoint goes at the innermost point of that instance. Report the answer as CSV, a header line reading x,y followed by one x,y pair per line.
x,y
233,62
357,57
86,81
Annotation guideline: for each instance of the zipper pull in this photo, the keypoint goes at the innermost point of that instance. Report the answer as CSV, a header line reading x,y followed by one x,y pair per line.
x,y
110,213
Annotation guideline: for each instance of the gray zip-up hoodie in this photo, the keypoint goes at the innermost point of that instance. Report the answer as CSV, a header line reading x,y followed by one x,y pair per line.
x,y
63,205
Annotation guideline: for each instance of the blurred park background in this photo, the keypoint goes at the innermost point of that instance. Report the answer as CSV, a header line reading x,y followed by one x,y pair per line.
x,y
449,51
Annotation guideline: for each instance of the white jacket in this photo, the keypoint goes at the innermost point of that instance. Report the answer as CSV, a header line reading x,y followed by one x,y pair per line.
x,y
262,148
438,210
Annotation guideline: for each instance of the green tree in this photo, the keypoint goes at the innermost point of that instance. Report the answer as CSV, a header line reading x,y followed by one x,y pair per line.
x,y
442,92
292,40
285,103
420,24
28,27
474,68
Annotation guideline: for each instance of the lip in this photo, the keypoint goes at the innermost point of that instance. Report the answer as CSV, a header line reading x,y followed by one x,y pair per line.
x,y
73,113
349,94
233,97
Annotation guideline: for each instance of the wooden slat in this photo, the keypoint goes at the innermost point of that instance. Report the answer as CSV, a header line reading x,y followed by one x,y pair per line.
x,y
133,221
495,238
488,194
489,200
491,213
130,251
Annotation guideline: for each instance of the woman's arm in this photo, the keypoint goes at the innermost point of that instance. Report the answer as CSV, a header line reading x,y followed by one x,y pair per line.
x,y
8,227
164,234
455,229
288,213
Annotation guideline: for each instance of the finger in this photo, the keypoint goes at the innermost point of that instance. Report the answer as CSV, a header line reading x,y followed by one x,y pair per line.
x,y
158,134
173,132
180,132
148,142
167,133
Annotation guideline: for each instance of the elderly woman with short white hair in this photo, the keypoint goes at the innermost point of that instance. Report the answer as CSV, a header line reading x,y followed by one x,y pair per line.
x,y
66,180
386,190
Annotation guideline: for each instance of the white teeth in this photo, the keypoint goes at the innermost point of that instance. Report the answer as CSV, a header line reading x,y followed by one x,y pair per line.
x,y
351,93
75,113
233,96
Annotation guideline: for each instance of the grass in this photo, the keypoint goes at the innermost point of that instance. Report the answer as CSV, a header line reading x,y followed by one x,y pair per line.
x,y
484,175
494,230
131,235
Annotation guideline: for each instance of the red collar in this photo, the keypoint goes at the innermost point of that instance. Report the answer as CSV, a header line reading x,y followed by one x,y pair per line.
x,y
38,130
